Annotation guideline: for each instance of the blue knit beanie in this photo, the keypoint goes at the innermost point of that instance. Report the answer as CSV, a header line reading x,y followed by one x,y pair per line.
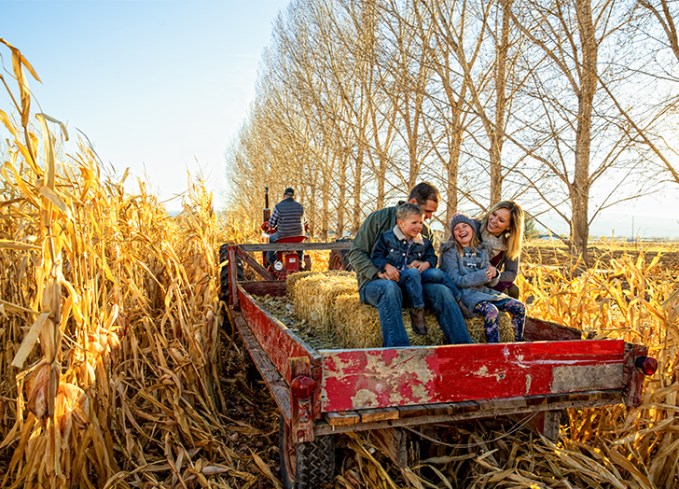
x,y
458,218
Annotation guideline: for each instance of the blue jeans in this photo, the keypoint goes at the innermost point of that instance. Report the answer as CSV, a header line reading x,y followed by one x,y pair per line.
x,y
411,281
387,297
271,255
438,276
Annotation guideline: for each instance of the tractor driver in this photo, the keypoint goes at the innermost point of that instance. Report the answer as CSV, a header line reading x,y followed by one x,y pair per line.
x,y
378,288
287,219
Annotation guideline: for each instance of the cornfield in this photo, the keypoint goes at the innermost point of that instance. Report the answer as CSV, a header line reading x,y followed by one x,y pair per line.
x,y
115,372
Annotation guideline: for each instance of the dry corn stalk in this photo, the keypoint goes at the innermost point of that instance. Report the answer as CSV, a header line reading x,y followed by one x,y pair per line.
x,y
110,366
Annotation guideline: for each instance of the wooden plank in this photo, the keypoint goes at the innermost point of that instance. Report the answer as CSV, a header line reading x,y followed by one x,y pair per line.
x,y
233,277
391,377
416,410
275,288
452,408
251,247
380,414
550,425
544,423
256,266
277,386
540,330
487,409
345,418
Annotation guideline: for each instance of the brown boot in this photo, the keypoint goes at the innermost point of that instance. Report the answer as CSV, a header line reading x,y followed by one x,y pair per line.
x,y
465,312
417,320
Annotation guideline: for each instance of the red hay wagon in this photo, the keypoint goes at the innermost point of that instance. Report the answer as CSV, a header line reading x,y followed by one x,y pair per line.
x,y
324,392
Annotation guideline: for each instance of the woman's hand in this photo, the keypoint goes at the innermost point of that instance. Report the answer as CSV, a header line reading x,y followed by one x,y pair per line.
x,y
491,272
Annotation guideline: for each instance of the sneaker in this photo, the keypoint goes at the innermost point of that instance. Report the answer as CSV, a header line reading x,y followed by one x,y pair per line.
x,y
417,320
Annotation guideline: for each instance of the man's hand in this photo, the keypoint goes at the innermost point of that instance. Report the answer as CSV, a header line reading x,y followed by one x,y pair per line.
x,y
420,265
390,273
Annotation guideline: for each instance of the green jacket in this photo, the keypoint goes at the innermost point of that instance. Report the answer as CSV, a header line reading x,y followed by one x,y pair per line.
x,y
375,224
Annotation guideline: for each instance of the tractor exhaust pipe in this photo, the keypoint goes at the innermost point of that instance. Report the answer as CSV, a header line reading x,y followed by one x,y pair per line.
x,y
267,211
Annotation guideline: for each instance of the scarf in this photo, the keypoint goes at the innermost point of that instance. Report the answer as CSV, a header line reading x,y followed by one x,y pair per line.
x,y
494,244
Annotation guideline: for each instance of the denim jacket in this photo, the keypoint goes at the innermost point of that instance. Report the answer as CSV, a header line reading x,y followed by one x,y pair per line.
x,y
394,248
468,272
375,224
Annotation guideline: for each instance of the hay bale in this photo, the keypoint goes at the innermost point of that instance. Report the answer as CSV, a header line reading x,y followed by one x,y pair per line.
x,y
313,295
329,302
292,279
358,325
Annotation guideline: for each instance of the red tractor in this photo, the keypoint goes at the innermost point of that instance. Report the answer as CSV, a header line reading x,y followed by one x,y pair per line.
x,y
287,259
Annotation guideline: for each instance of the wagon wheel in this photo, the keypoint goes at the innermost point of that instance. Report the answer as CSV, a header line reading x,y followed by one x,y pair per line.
x,y
305,465
335,261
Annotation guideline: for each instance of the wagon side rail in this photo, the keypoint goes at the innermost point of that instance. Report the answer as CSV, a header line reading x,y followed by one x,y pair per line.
x,y
243,253
365,389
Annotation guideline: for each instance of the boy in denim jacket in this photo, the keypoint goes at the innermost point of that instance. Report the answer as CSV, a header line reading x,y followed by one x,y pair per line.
x,y
404,256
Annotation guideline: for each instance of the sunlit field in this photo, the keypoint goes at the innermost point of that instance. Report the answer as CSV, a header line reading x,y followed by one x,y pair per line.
x,y
116,372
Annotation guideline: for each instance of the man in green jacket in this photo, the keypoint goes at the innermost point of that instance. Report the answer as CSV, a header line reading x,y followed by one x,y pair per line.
x,y
380,289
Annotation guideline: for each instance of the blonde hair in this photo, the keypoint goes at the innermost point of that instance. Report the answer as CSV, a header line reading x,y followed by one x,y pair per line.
x,y
513,237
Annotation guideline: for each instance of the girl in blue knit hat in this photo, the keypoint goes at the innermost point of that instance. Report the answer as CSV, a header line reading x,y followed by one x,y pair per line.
x,y
467,263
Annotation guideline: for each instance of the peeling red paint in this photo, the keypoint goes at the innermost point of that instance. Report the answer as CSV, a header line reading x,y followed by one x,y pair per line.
x,y
360,379
389,377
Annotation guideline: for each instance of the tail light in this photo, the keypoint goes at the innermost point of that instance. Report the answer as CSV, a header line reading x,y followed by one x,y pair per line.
x,y
646,365
302,386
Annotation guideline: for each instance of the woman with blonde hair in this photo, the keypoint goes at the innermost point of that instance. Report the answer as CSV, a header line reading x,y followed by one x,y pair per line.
x,y
501,233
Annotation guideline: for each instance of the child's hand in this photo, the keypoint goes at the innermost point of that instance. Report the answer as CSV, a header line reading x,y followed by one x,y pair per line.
x,y
390,273
491,272
420,265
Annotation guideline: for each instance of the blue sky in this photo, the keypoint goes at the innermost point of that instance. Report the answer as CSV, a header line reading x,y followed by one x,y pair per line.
x,y
159,86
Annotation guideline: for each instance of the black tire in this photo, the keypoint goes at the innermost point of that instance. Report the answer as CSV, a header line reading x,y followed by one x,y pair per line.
x,y
306,465
224,273
335,261
306,263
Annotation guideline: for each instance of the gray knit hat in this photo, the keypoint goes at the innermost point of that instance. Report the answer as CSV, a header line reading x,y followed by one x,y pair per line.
x,y
458,218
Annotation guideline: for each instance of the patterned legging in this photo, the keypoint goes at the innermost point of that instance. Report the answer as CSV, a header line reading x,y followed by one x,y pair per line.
x,y
491,313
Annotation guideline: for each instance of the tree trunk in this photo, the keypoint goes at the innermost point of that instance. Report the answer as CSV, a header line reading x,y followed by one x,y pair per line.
x,y
496,134
579,190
